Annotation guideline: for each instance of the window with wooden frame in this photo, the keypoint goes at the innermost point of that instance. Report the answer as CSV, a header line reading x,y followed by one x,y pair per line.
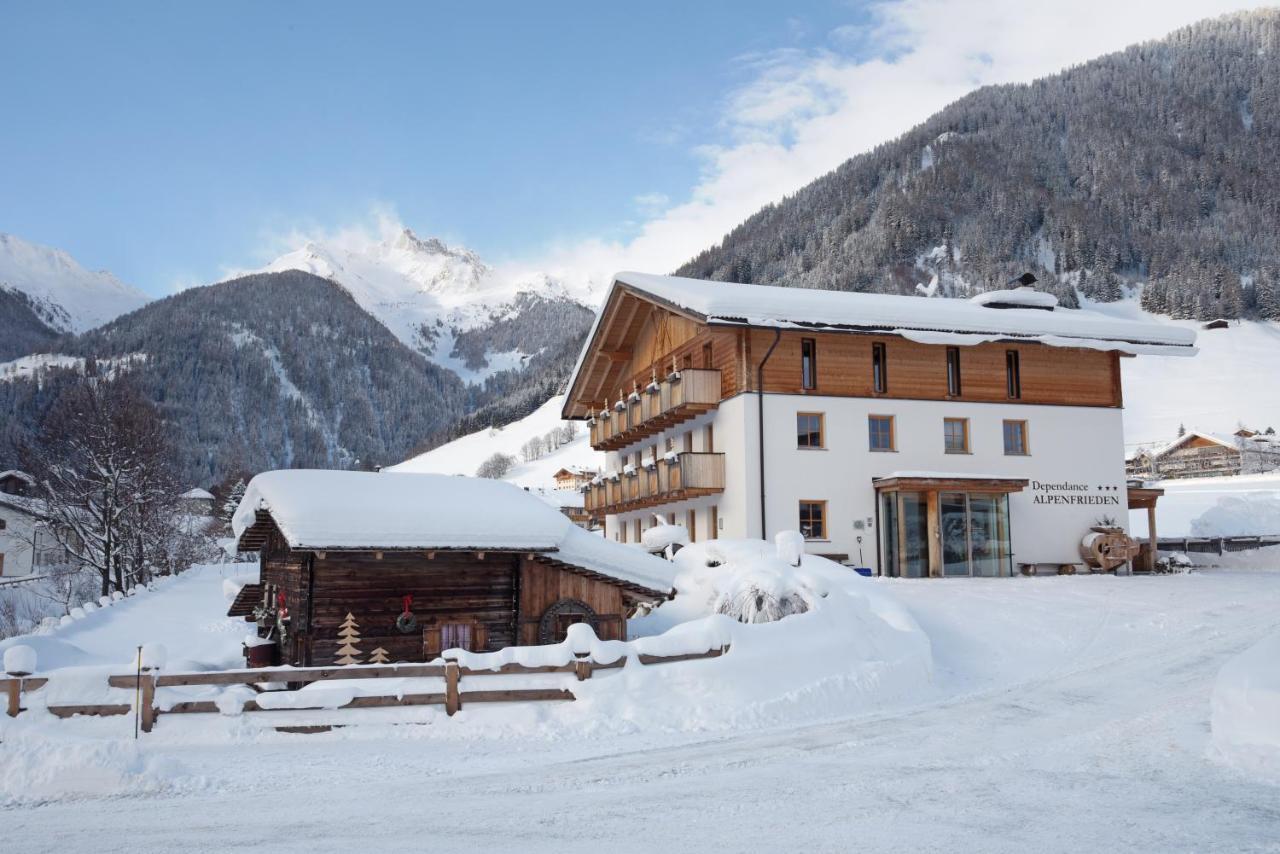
x,y
955,435
688,361
713,522
879,368
880,433
636,527
1013,374
691,523
1015,439
708,359
813,520
688,441
953,371
808,364
809,430
709,440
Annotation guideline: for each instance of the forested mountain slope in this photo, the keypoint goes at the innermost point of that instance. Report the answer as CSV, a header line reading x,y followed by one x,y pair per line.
x,y
1156,164
268,371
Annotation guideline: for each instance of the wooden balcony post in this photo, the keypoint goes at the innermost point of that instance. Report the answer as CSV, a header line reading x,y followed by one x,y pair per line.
x,y
148,701
14,688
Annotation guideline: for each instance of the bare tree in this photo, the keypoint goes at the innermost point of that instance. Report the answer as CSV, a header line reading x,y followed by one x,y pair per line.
x,y
102,465
496,466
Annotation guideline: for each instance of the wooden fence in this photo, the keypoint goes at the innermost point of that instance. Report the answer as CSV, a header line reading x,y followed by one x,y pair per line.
x,y
1215,545
452,698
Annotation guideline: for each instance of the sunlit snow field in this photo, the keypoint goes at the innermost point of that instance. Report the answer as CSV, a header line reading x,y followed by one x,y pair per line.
x,y
1066,713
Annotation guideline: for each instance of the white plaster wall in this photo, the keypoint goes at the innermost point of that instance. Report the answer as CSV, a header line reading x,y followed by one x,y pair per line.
x,y
1071,444
1081,445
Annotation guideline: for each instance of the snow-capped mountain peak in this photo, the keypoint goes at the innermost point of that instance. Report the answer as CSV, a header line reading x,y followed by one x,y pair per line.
x,y
65,295
426,292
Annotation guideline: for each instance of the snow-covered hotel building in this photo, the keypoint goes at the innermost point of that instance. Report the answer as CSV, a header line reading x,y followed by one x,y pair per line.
x,y
918,437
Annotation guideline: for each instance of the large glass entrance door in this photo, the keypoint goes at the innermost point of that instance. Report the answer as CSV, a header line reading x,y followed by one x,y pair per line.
x,y
953,526
944,533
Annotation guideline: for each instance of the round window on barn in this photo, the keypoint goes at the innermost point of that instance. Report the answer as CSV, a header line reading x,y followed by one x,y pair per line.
x,y
557,619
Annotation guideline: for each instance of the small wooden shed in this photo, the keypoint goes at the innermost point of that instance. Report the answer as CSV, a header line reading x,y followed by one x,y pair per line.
x,y
360,567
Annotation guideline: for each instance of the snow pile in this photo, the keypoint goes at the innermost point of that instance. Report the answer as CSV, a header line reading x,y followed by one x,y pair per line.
x,y
1024,297
663,536
1245,709
1241,506
853,649
40,765
20,659
1238,516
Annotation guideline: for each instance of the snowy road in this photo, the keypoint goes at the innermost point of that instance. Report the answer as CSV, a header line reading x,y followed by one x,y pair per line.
x,y
1077,721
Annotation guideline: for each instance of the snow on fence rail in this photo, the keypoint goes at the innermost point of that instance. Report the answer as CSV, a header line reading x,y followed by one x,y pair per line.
x,y
452,698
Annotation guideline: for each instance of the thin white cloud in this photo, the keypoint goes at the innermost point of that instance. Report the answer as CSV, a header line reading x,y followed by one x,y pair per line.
x,y
803,112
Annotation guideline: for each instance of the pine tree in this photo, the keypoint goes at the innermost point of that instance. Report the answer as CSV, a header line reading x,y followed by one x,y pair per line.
x,y
349,634
379,656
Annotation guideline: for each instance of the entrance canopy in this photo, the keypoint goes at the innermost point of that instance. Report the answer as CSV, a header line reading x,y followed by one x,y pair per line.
x,y
939,524
917,481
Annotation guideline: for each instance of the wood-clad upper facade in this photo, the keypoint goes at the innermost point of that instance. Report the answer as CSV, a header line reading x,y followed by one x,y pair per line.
x,y
639,341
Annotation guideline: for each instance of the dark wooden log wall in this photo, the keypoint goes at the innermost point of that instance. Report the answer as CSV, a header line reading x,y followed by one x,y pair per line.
x,y
449,588
541,586
288,572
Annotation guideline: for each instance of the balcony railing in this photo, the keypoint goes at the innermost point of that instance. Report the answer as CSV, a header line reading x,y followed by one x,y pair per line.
x,y
651,410
687,475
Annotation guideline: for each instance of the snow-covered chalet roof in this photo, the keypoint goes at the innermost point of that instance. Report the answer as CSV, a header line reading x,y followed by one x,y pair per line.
x,y
928,321
198,494
364,511
20,475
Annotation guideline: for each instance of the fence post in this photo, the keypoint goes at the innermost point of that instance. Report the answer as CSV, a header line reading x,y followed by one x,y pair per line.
x,y
452,698
582,669
14,688
148,701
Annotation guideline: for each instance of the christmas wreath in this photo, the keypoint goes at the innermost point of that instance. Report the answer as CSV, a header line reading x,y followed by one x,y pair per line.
x,y
407,622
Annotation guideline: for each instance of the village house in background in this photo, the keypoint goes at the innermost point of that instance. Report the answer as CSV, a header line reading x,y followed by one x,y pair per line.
x,y
912,436
1200,454
361,567
26,546
574,477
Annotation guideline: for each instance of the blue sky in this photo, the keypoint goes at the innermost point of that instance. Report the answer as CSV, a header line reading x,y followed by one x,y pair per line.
x,y
162,140
172,142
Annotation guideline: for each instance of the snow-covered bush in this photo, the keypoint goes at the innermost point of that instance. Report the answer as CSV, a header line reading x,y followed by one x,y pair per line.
x,y
746,581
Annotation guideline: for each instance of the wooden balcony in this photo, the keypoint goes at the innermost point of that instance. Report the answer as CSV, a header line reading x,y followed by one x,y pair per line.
x,y
688,475
678,398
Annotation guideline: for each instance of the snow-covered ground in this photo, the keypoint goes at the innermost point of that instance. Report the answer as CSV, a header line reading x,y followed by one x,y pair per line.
x,y
464,455
1229,382
1063,714
1248,505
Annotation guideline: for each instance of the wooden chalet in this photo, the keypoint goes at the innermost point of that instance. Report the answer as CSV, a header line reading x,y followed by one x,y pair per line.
x,y
360,567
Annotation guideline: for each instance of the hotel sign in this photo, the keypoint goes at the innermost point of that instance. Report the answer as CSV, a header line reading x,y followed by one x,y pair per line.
x,y
1067,492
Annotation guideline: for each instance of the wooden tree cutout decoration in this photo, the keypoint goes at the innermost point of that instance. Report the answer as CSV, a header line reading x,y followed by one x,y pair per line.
x,y
379,656
349,634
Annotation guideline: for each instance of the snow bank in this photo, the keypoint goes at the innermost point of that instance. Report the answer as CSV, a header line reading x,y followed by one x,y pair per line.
x,y
1245,709
20,658
855,648
38,767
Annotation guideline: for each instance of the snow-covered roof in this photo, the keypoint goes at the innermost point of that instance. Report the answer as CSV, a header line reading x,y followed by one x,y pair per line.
x,y
198,494
1215,438
361,511
23,504
931,321
15,473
